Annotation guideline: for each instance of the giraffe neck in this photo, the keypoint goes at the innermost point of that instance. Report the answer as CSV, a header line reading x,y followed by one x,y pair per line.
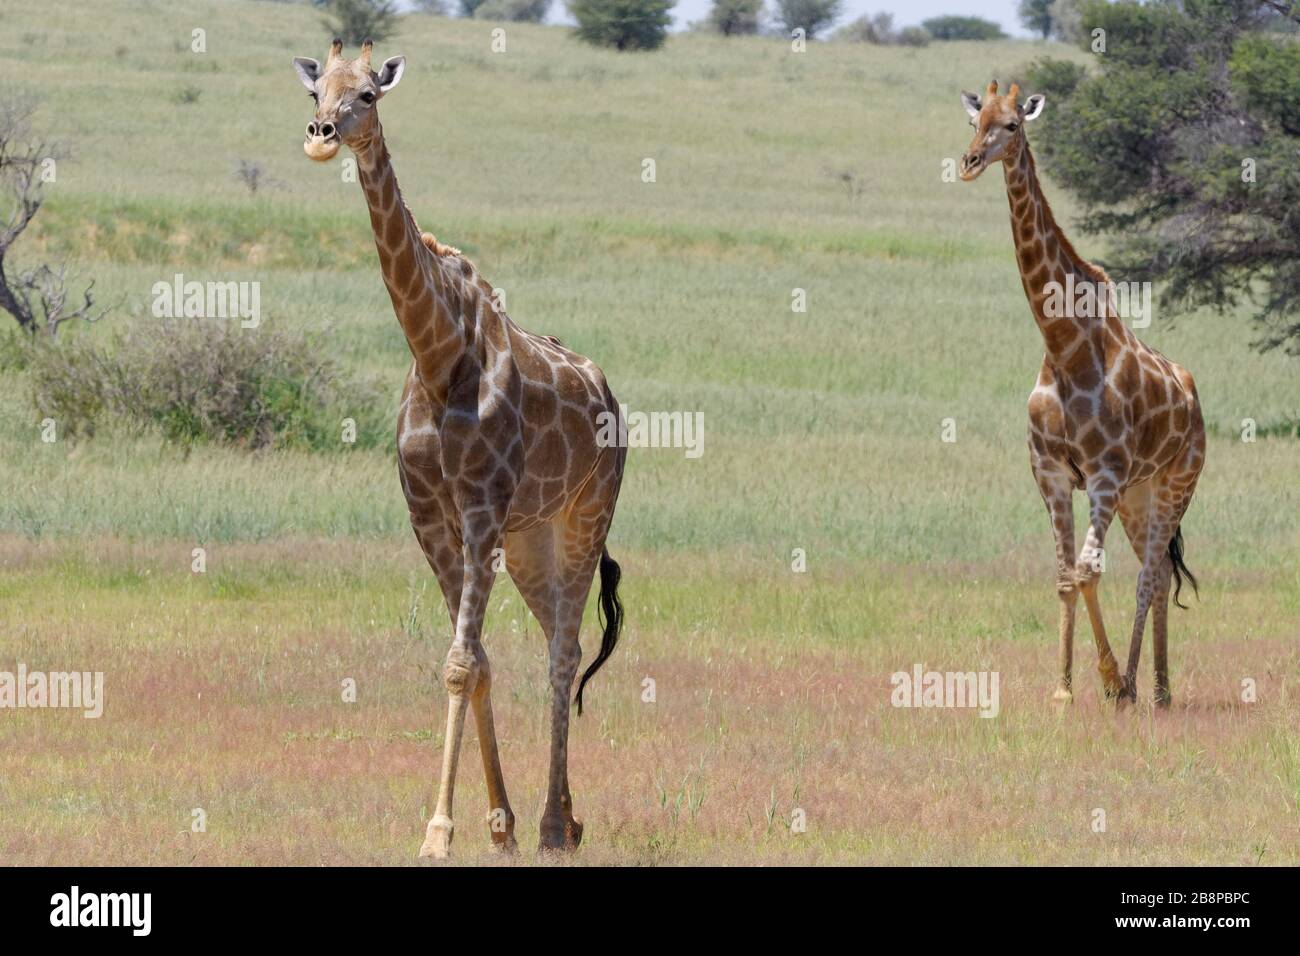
x,y
1046,257
435,332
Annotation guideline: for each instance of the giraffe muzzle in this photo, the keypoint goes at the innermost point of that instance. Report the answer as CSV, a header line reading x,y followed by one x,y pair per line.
x,y
322,141
972,164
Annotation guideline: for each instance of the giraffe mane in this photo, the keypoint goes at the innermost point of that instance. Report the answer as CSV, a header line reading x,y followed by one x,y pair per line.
x,y
437,248
467,268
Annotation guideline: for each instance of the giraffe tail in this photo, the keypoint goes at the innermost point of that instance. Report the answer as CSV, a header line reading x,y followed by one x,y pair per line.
x,y
611,618
1180,569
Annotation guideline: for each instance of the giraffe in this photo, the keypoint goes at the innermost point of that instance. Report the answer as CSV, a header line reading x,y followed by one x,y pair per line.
x,y
1108,416
500,456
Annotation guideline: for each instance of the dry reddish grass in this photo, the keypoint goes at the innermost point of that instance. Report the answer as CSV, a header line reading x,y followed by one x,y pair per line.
x,y
224,693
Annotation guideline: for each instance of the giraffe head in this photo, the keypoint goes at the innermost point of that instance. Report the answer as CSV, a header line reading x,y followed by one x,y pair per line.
x,y
999,127
345,93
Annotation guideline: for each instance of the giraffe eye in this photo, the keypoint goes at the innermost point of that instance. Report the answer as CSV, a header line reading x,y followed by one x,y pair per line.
x,y
367,97
1012,127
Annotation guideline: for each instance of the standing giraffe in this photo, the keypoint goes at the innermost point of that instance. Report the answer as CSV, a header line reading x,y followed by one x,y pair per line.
x,y
498,450
1109,415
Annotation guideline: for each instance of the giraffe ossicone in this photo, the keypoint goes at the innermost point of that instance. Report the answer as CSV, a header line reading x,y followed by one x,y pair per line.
x,y
497,450
1109,415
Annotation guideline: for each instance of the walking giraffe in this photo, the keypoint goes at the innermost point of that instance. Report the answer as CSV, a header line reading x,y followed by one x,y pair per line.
x,y
1109,415
498,448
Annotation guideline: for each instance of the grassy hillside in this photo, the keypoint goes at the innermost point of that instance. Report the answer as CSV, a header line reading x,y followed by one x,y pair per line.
x,y
530,160
775,171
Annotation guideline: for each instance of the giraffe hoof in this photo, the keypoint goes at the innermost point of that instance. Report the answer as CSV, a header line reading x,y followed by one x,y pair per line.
x,y
1063,696
507,846
1164,700
437,839
562,836
1113,687
1124,695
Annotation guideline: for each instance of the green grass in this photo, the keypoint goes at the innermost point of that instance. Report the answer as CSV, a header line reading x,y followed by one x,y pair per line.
x,y
822,432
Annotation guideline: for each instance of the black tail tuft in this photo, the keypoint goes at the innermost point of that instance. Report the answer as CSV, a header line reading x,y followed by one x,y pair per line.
x,y
611,618
1180,569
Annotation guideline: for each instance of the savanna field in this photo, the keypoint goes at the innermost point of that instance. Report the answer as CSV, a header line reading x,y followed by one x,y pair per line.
x,y
775,171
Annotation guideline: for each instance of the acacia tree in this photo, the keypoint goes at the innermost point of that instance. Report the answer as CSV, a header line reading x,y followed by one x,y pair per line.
x,y
1184,145
39,297
356,20
622,24
735,17
1037,15
812,16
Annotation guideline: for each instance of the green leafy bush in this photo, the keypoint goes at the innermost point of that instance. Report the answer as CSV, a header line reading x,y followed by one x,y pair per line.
x,y
1053,78
203,382
962,28
513,11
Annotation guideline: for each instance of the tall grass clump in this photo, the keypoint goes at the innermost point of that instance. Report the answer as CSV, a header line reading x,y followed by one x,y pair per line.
x,y
206,382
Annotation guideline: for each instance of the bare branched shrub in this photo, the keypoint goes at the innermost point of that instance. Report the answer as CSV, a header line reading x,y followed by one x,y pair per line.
x,y
852,183
39,297
879,29
254,175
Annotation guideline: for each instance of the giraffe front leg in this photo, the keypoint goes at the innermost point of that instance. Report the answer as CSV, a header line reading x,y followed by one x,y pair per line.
x,y
501,819
1103,498
466,663
1064,693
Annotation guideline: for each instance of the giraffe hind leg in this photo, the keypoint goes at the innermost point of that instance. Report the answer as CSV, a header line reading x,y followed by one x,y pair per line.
x,y
553,592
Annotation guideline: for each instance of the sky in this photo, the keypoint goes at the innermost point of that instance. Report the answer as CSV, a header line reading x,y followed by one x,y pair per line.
x,y
906,13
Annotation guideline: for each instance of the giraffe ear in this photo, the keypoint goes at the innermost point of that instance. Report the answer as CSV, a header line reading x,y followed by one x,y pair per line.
x,y
972,103
391,73
308,71
1033,107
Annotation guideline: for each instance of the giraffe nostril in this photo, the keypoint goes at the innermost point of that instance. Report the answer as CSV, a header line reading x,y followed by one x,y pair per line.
x,y
311,129
327,130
